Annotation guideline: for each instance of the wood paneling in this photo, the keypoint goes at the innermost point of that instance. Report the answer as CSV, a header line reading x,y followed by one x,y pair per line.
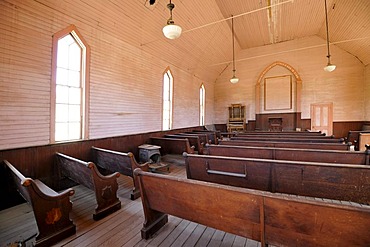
x,y
290,121
340,129
39,161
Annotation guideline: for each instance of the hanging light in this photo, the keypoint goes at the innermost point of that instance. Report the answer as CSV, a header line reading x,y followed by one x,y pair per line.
x,y
171,31
233,79
329,67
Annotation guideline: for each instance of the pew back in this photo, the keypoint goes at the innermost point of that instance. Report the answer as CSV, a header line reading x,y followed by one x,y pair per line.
x,y
172,145
327,146
324,180
299,133
193,140
287,139
295,154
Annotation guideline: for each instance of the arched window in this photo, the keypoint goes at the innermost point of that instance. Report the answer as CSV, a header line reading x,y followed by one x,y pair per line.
x,y
69,86
202,105
167,100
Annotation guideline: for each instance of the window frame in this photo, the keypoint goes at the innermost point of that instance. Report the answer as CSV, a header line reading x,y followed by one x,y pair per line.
x,y
202,105
85,81
171,90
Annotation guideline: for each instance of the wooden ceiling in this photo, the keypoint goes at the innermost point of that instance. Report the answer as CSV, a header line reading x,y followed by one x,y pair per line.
x,y
206,38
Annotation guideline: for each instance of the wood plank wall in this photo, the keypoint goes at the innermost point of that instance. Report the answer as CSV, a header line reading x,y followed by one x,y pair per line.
x,y
367,92
125,80
344,87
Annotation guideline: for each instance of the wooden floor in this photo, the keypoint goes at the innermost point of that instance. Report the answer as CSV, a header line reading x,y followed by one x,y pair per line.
x,y
121,228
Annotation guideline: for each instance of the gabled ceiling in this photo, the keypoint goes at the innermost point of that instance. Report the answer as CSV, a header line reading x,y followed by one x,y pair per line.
x,y
206,38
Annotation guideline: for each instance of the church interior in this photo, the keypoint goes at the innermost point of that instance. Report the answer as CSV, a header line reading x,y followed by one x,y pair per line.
x,y
165,85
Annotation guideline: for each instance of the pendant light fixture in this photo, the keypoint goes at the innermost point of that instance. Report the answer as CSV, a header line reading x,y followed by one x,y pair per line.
x,y
233,79
171,31
329,67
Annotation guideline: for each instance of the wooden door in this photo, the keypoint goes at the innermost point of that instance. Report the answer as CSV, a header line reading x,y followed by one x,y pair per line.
x,y
322,118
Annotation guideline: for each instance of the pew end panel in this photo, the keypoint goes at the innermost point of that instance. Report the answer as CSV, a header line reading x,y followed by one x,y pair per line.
x,y
154,220
87,174
51,209
124,163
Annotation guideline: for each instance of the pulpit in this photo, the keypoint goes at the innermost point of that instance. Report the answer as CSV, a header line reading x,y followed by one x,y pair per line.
x,y
275,124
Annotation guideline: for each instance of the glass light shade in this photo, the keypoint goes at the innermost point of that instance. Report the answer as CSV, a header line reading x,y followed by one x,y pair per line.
x,y
330,67
234,79
172,31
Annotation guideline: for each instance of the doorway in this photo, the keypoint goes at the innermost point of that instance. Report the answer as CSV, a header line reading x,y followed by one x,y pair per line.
x,y
322,118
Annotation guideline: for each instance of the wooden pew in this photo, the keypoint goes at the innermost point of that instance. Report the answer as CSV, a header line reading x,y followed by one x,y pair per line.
x,y
314,179
272,219
172,145
353,136
307,145
202,136
364,141
287,139
212,135
295,154
285,136
87,174
193,140
217,132
51,209
300,133
124,163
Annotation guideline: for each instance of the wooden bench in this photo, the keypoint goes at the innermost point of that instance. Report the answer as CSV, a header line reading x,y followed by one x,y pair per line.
x,y
212,135
87,174
314,179
274,219
310,155
217,132
172,145
193,140
51,209
202,136
124,163
307,145
287,139
364,141
354,137
285,136
299,133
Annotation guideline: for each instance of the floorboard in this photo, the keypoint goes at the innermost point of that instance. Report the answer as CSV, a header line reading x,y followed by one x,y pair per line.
x,y
121,228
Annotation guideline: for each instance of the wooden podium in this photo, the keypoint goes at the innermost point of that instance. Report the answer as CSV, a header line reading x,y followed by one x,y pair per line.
x,y
275,124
